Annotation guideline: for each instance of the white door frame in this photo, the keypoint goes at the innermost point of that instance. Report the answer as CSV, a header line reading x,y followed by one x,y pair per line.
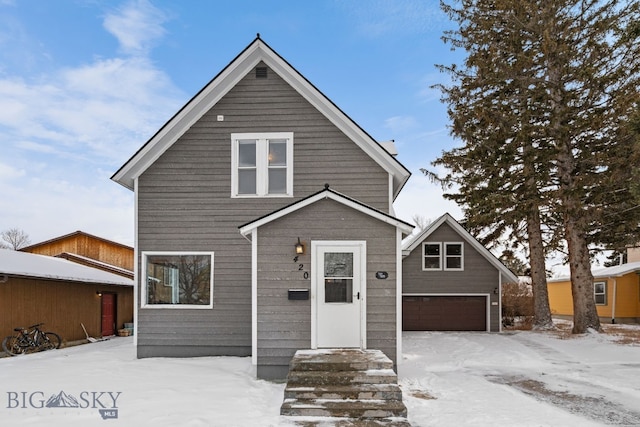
x,y
362,246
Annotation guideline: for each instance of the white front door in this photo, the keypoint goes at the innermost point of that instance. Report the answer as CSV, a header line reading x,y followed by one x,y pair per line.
x,y
339,290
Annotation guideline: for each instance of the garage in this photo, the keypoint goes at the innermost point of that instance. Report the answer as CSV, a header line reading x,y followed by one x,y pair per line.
x,y
444,313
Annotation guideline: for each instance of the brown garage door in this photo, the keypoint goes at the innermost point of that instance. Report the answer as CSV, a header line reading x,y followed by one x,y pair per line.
x,y
447,313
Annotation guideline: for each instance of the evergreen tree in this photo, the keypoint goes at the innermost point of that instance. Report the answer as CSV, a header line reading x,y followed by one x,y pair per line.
x,y
540,104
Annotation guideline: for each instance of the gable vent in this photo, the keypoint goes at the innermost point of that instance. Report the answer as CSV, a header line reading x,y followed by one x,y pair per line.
x,y
261,72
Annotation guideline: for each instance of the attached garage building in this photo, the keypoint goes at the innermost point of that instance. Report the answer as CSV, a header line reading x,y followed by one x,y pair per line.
x,y
450,281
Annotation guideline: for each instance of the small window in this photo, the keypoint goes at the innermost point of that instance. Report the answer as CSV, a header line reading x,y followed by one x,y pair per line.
x,y
177,280
262,165
453,256
600,293
431,256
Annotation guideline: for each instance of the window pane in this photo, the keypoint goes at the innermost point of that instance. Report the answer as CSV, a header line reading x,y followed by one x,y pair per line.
x,y
247,153
277,152
277,181
338,264
454,262
432,262
600,299
338,290
599,288
179,279
247,181
432,250
454,249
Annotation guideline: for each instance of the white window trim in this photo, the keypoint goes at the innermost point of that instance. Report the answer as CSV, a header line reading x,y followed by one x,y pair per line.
x,y
604,283
444,256
143,286
262,153
424,256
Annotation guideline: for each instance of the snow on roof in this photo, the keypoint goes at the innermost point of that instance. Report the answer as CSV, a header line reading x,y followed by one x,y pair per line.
x,y
601,273
14,263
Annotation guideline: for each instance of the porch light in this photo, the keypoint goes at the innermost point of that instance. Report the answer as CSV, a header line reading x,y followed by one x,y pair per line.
x,y
99,293
299,247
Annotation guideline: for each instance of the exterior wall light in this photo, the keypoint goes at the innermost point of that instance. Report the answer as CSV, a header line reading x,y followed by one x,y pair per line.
x,y
99,293
299,247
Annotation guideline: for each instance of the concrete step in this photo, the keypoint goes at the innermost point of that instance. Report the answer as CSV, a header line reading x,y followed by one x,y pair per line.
x,y
349,422
339,360
344,408
352,391
324,378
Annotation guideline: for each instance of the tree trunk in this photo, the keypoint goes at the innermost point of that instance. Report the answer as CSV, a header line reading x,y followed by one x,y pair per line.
x,y
541,311
585,315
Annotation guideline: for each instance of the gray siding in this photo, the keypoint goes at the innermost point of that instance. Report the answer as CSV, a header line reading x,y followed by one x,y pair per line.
x,y
185,204
478,276
285,326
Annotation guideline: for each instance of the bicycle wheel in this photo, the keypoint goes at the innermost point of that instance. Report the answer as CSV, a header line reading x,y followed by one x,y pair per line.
x,y
11,345
50,340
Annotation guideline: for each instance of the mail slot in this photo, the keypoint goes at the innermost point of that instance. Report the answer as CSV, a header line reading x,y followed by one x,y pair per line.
x,y
298,294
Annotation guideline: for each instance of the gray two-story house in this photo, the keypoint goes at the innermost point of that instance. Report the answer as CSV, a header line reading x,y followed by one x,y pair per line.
x,y
264,224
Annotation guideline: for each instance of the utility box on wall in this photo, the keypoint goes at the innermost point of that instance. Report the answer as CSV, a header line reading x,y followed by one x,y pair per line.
x,y
298,294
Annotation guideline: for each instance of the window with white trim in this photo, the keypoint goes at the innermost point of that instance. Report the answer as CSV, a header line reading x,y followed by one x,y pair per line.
x,y
600,293
431,256
448,256
454,256
177,279
262,164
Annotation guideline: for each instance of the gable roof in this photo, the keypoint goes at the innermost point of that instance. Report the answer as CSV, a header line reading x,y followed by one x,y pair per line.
x,y
327,193
25,264
218,87
603,273
74,234
409,245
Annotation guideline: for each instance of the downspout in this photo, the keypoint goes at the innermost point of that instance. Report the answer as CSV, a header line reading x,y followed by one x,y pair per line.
x,y
613,304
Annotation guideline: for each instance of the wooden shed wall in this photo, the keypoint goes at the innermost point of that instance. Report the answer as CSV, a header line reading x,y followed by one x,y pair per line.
x,y
284,326
61,305
478,277
185,204
90,247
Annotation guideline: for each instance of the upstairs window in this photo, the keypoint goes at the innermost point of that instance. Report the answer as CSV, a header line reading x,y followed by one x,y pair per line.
x,y
453,256
262,164
448,256
432,252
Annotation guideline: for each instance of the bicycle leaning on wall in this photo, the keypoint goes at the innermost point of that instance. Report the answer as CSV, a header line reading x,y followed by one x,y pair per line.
x,y
30,340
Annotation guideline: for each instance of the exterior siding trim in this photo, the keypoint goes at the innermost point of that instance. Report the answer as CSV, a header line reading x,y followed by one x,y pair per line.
x,y
254,296
398,297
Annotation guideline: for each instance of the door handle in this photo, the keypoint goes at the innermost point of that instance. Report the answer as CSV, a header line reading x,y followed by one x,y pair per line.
x,y
358,295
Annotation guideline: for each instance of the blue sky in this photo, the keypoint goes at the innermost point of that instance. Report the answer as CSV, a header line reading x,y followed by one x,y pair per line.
x,y
85,83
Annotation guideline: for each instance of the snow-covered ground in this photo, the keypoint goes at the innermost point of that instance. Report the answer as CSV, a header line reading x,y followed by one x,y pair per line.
x,y
448,379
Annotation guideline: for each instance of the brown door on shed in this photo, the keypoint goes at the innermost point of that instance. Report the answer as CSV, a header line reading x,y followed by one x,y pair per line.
x,y
108,314
446,313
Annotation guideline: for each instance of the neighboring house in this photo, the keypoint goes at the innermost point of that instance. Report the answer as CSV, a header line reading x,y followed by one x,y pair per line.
x,y
264,223
86,249
62,294
450,281
616,291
